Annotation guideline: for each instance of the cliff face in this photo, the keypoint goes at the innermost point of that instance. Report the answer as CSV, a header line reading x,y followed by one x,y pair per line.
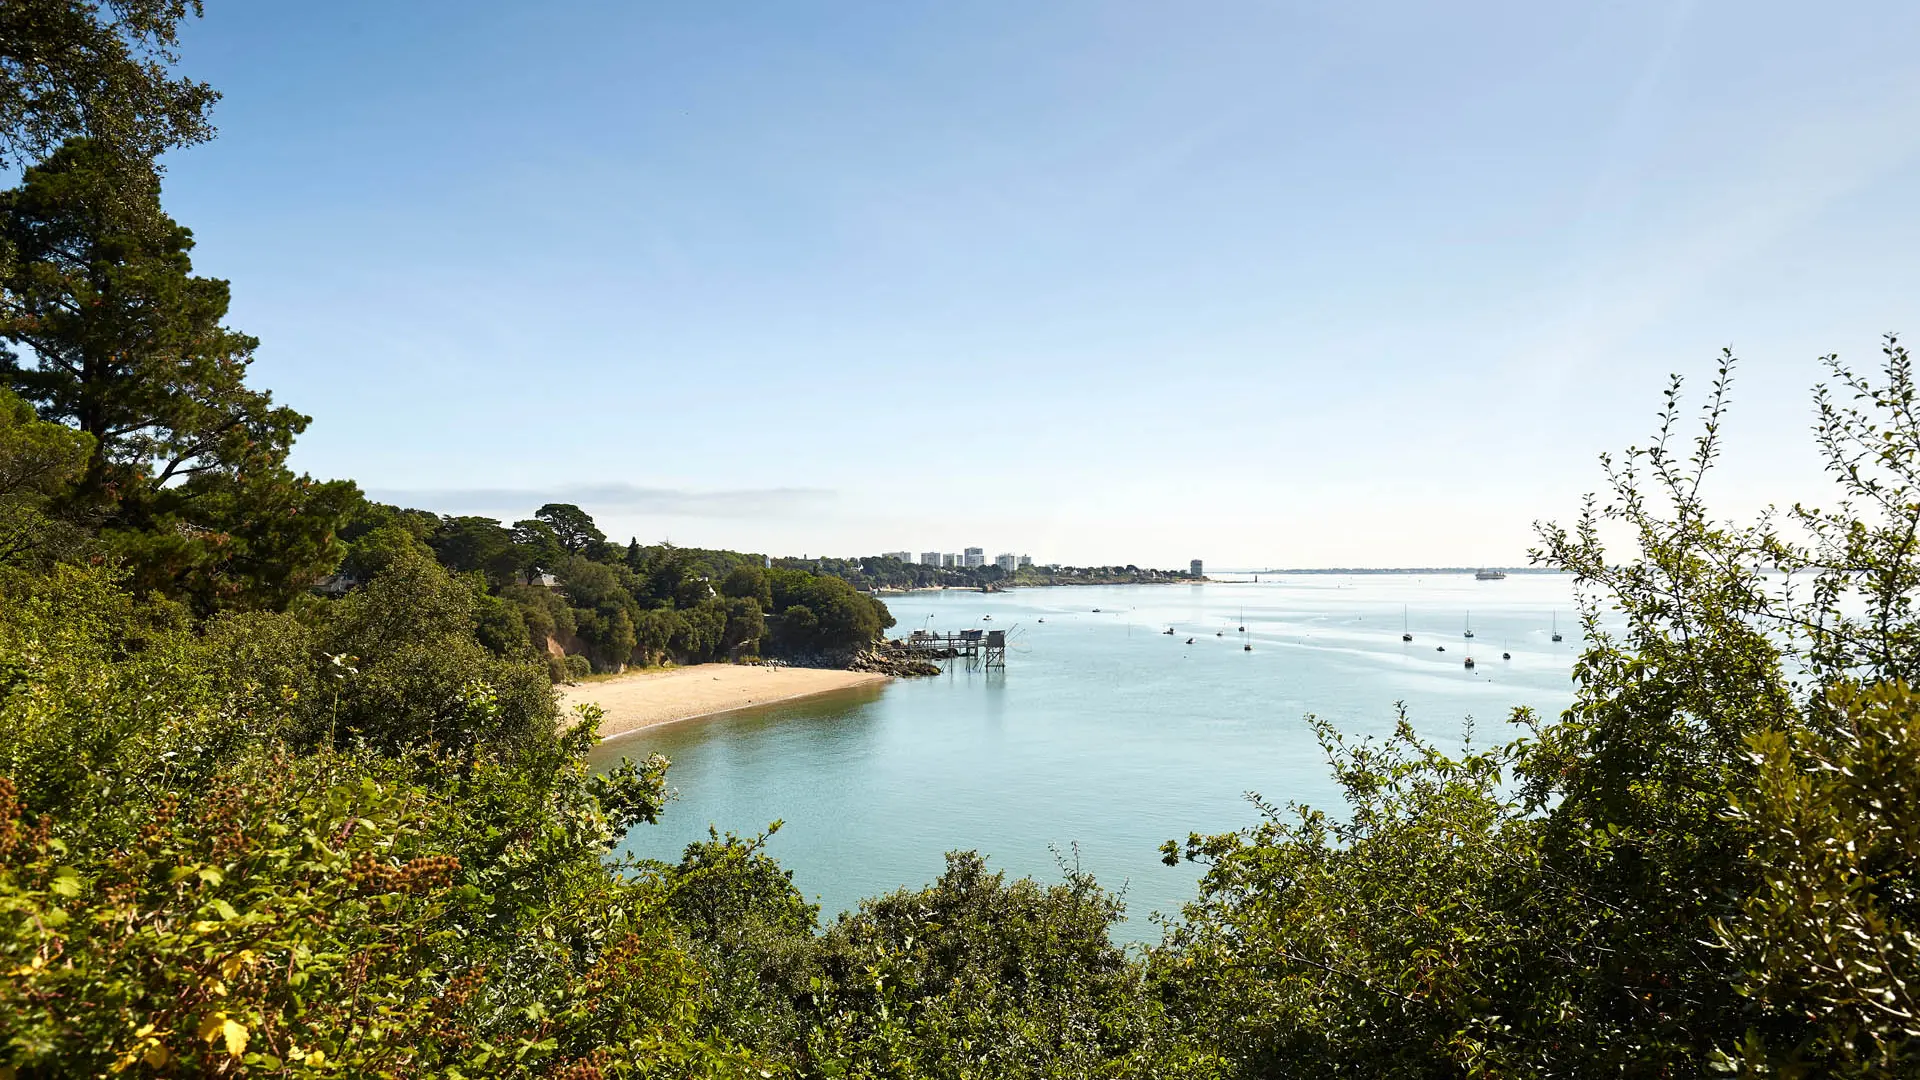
x,y
563,645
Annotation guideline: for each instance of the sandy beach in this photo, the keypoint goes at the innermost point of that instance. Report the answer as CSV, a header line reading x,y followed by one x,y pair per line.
x,y
649,698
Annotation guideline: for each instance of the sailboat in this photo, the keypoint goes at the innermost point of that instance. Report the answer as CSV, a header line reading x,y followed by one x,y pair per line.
x,y
1406,632
1556,626
1469,624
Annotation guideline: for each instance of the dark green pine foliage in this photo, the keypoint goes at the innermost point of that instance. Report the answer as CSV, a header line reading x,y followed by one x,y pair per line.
x,y
107,329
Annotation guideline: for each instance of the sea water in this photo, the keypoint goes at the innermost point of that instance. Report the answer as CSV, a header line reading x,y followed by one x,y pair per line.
x,y
1104,736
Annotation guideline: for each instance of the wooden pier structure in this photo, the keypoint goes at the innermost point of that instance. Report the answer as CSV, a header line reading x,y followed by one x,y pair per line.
x,y
985,647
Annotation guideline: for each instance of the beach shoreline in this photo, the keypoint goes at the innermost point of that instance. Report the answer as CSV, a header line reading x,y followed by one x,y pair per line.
x,y
651,698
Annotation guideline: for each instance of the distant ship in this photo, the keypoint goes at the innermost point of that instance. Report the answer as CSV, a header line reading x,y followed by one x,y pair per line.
x,y
1489,575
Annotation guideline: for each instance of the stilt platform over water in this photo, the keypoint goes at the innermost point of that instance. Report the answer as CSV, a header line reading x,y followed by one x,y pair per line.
x,y
985,647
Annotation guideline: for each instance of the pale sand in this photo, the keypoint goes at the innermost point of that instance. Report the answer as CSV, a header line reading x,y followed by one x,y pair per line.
x,y
649,698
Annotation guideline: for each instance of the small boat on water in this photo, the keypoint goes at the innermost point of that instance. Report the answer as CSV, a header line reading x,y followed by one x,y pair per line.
x,y
1556,626
1043,620
1096,611
1189,641
1469,663
1168,631
1406,631
986,618
1469,624
1219,633
1506,656
1439,648
1489,575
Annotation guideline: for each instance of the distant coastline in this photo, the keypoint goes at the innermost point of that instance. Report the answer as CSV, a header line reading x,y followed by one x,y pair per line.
x,y
1232,577
1394,570
1007,586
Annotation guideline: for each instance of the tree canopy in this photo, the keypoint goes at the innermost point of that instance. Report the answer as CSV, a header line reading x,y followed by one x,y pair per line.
x,y
572,526
106,329
102,70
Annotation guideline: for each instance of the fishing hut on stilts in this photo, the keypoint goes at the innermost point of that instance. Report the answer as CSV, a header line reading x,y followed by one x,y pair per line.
x,y
987,648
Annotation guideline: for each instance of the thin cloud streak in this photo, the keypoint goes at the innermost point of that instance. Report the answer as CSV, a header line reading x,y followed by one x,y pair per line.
x,y
612,498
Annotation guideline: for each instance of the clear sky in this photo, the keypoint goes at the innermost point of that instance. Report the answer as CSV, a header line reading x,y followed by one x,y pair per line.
x,y
1265,284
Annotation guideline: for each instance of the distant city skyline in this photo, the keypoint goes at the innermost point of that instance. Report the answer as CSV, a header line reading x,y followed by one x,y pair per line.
x,y
1290,285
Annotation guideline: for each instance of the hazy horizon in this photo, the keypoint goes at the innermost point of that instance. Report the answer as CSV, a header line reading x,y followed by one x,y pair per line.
x,y
1095,282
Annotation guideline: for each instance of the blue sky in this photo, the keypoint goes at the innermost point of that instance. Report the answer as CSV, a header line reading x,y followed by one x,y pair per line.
x,y
1266,284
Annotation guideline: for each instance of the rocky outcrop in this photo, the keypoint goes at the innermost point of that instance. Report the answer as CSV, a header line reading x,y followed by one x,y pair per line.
x,y
893,658
884,657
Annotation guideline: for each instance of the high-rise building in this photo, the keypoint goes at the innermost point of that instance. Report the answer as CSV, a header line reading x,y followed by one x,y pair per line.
x,y
1006,562
1194,568
903,556
950,561
929,558
976,557
1026,561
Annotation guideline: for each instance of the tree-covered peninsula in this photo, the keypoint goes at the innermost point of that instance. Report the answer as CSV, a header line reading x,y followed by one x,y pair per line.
x,y
552,586
888,572
284,790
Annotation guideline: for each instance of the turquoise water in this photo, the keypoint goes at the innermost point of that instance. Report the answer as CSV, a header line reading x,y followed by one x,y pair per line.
x,y
1103,733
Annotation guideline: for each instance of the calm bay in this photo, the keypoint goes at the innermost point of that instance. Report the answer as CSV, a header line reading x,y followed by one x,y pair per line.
x,y
1104,736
